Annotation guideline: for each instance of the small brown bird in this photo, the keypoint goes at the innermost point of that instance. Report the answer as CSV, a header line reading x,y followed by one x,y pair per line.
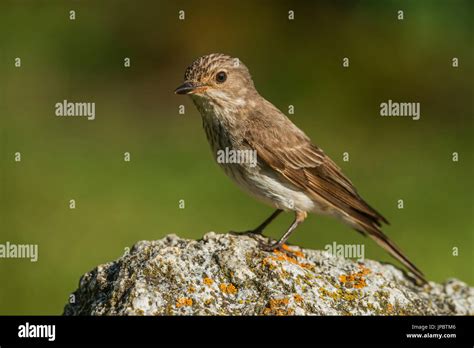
x,y
288,172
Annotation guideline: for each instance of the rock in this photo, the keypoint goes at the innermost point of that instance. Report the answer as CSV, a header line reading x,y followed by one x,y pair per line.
x,y
225,274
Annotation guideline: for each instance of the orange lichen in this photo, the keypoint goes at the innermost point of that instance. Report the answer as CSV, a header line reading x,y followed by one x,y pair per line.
x,y
283,256
278,307
184,302
360,284
364,270
389,307
208,281
228,289
296,252
357,279
191,289
298,298
306,265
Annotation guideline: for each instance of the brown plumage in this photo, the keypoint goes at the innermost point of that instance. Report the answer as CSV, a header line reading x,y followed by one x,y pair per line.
x,y
291,173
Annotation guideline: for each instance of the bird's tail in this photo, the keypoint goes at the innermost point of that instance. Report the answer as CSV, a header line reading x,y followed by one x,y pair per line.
x,y
374,232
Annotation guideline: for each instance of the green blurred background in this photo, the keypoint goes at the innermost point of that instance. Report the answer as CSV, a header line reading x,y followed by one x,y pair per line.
x,y
295,62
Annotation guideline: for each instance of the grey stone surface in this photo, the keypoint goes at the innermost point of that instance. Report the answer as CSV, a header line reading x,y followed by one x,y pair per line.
x,y
224,274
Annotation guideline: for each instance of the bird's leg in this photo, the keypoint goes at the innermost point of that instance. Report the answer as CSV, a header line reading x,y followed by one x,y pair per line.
x,y
300,216
264,224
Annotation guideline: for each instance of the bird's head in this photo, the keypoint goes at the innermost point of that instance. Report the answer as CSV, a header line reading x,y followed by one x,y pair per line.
x,y
217,78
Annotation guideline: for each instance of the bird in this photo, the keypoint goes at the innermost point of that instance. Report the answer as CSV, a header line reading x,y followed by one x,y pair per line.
x,y
290,173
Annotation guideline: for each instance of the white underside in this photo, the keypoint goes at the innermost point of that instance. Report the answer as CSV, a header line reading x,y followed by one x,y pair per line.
x,y
270,188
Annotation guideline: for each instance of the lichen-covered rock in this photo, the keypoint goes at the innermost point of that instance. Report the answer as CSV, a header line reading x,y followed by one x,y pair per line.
x,y
225,274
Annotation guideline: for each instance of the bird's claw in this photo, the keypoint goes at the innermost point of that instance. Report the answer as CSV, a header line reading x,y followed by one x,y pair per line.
x,y
269,246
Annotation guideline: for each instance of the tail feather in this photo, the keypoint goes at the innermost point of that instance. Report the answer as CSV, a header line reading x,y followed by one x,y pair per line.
x,y
381,239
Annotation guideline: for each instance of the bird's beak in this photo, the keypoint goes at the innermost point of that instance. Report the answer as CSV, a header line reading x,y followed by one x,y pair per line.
x,y
188,88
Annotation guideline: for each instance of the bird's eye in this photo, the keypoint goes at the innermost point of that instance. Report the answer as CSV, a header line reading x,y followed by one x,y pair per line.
x,y
221,77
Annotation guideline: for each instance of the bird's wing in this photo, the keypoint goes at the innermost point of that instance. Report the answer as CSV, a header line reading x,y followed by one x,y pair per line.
x,y
287,150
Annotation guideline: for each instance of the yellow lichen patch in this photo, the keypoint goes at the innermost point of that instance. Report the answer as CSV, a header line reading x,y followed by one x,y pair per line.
x,y
191,289
208,281
389,308
278,307
355,280
298,298
338,294
184,302
228,288
296,252
267,262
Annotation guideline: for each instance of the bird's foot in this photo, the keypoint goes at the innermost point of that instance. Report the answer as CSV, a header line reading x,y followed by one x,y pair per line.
x,y
270,246
280,247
